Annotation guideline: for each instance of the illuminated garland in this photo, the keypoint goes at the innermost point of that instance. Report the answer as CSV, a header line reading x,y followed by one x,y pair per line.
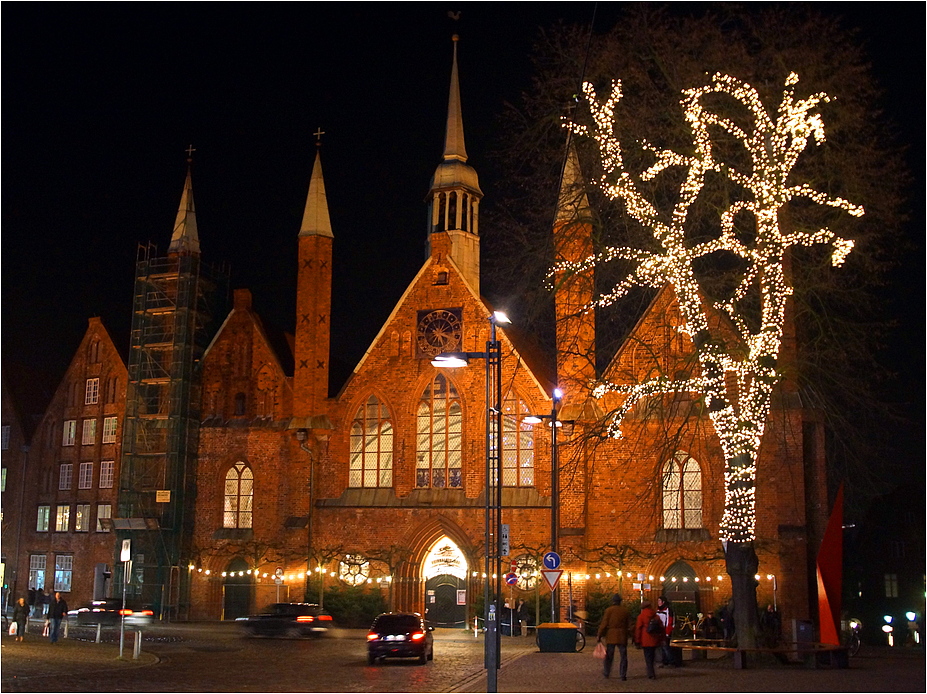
x,y
748,378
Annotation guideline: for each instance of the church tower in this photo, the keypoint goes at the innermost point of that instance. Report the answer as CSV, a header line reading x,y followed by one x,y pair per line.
x,y
313,300
574,290
454,195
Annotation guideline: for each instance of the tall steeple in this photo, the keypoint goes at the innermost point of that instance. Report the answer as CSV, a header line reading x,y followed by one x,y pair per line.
x,y
574,291
455,194
313,300
185,238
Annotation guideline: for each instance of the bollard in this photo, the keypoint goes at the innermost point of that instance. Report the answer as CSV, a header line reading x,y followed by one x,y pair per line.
x,y
99,629
138,645
66,623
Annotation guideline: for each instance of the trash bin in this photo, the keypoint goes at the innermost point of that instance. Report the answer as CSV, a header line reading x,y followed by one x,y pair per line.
x,y
557,637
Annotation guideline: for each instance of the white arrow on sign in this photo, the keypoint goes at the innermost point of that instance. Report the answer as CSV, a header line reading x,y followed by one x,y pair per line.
x,y
552,578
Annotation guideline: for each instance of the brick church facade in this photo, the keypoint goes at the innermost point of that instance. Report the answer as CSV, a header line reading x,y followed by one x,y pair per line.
x,y
382,483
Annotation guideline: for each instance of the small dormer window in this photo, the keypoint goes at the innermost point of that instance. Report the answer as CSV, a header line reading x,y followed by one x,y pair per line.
x,y
441,277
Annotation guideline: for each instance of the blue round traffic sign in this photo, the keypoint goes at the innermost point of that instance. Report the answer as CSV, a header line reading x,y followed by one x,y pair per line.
x,y
551,560
511,579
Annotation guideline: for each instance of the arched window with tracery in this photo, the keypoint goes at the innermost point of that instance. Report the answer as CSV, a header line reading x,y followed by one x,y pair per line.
x,y
439,428
517,443
239,494
371,446
682,492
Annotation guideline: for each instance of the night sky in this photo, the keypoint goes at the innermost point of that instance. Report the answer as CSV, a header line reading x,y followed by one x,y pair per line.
x,y
101,101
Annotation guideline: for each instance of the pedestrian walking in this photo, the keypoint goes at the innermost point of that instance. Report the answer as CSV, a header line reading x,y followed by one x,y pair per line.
x,y
665,614
57,610
648,634
615,629
522,612
30,600
40,606
20,617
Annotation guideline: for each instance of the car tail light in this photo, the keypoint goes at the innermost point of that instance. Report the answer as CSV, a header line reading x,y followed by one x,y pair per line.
x,y
125,613
418,635
305,618
147,613
372,636
325,617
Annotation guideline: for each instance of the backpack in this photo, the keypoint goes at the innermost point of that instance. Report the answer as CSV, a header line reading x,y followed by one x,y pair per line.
x,y
654,626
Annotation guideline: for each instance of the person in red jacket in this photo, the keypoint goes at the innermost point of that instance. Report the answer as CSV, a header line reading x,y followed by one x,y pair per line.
x,y
647,639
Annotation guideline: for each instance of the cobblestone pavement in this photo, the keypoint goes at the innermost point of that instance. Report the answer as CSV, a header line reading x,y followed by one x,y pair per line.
x,y
215,658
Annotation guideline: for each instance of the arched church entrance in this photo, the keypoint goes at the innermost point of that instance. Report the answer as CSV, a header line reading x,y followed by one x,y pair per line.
x,y
681,589
236,590
445,573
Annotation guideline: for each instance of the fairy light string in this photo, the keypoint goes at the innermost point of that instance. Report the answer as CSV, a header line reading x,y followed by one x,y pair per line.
x,y
748,375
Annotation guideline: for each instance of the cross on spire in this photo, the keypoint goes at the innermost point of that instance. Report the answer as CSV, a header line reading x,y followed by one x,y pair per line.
x,y
190,150
318,137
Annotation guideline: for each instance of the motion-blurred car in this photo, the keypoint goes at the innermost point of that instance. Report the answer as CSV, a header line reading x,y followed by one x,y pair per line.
x,y
108,612
400,635
292,619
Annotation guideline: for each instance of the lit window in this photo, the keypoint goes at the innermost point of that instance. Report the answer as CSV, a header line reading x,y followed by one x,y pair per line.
x,y
891,585
103,511
371,446
82,518
37,571
85,476
5,437
64,564
682,493
62,518
92,391
239,492
89,432
517,444
354,569
439,462
41,523
106,474
69,432
65,473
109,429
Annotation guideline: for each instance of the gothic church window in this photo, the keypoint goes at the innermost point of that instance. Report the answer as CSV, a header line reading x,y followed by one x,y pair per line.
x,y
371,446
682,493
517,444
439,432
239,404
239,494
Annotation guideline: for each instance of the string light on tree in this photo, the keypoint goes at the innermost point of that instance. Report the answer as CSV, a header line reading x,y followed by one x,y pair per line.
x,y
735,380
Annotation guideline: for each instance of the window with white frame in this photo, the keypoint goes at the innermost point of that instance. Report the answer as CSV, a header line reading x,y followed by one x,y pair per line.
x,y
438,455
85,476
65,473
517,443
37,571
891,585
82,518
371,446
5,437
64,565
239,492
109,429
69,433
41,522
682,493
92,391
62,518
89,433
107,468
103,511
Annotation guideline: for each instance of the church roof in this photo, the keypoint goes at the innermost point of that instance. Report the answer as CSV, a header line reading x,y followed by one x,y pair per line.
x,y
316,221
185,238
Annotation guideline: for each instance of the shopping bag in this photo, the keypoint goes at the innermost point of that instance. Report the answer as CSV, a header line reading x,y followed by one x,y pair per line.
x,y
599,651
45,630
13,628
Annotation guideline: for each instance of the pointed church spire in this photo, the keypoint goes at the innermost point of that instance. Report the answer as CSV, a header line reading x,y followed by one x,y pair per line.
x,y
454,147
316,221
572,202
185,238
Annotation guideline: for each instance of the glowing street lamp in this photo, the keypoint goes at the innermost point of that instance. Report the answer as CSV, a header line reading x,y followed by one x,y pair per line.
x,y
493,512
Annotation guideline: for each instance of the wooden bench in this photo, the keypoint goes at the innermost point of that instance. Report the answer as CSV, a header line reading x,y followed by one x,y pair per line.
x,y
813,654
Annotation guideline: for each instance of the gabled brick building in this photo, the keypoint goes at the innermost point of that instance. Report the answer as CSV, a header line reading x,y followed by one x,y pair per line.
x,y
383,482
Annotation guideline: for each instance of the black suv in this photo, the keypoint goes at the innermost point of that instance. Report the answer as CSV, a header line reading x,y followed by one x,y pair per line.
x,y
400,635
287,619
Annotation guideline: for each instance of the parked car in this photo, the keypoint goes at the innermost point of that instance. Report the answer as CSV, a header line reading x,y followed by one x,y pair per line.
x,y
400,635
109,612
293,619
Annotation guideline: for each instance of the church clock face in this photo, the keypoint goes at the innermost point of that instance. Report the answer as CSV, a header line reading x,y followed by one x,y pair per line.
x,y
438,331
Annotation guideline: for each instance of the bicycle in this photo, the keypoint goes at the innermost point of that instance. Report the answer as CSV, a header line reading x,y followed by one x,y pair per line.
x,y
852,642
688,627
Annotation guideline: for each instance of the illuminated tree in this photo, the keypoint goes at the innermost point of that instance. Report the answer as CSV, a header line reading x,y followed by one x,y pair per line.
x,y
754,154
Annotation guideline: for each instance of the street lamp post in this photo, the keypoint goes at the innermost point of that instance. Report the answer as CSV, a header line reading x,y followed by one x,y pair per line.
x,y
493,489
557,396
